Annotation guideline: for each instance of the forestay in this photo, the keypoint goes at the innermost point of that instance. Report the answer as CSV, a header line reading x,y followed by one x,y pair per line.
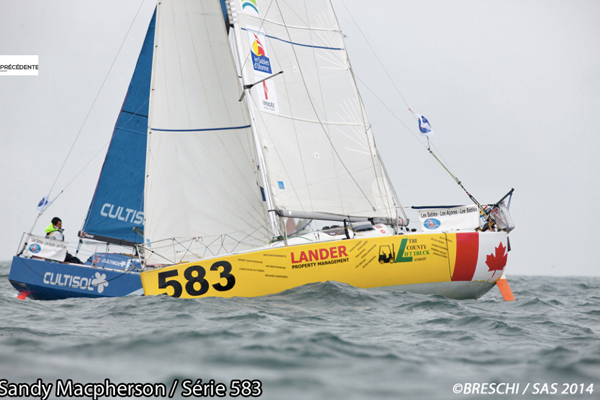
x,y
317,142
202,186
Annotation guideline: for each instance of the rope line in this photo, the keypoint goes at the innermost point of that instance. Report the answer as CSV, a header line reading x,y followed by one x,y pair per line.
x,y
87,116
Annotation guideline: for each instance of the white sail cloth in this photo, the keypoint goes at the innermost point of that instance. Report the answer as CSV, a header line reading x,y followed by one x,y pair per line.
x,y
316,139
201,179
307,126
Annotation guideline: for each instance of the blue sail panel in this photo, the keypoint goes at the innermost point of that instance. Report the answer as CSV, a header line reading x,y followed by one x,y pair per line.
x,y
117,207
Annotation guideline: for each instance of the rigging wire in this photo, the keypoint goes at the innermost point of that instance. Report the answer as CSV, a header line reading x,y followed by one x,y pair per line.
x,y
260,115
429,145
283,164
43,209
317,115
97,154
81,171
260,158
136,112
371,138
391,112
375,54
262,22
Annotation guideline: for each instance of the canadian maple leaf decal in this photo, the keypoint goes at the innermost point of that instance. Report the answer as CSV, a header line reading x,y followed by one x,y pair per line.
x,y
497,262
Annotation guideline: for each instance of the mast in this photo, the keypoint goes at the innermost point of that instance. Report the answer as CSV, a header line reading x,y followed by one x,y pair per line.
x,y
231,9
312,130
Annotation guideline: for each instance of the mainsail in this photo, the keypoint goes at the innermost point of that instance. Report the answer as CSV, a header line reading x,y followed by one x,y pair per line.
x,y
299,144
315,136
202,185
116,211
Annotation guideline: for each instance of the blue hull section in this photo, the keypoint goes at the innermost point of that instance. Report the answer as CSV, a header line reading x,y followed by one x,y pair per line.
x,y
46,280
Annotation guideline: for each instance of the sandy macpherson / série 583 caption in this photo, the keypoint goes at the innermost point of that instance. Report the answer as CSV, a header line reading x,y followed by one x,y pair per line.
x,y
189,388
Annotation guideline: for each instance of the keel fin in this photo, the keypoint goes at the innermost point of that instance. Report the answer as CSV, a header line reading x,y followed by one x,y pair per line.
x,y
505,289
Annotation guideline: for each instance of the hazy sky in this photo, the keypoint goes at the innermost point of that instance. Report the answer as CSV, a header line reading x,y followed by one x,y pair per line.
x,y
511,88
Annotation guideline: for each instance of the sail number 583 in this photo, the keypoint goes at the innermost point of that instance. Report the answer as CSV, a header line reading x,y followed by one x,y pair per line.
x,y
196,285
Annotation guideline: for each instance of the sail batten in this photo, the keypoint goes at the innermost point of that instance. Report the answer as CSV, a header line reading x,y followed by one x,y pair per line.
x,y
201,129
324,216
303,44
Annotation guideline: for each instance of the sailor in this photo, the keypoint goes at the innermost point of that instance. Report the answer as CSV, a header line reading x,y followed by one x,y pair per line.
x,y
54,230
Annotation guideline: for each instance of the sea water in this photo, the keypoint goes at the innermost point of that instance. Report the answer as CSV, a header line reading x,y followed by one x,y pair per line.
x,y
320,341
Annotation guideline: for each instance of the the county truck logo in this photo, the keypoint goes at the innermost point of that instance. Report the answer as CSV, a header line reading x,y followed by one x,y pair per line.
x,y
260,61
386,254
409,250
250,6
401,256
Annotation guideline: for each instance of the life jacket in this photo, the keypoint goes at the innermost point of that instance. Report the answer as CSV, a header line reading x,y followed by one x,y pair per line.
x,y
53,232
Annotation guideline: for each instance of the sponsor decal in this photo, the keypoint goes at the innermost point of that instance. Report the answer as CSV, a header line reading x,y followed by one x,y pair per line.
x,y
250,6
45,248
100,282
386,254
260,61
120,264
431,223
324,256
78,282
401,257
454,218
121,213
268,103
410,250
261,64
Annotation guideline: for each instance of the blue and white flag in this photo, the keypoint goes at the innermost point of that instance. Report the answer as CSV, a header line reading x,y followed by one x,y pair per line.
x,y
43,204
424,126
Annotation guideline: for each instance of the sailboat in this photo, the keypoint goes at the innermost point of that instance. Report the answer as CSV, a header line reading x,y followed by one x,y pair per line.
x,y
242,118
114,218
258,121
